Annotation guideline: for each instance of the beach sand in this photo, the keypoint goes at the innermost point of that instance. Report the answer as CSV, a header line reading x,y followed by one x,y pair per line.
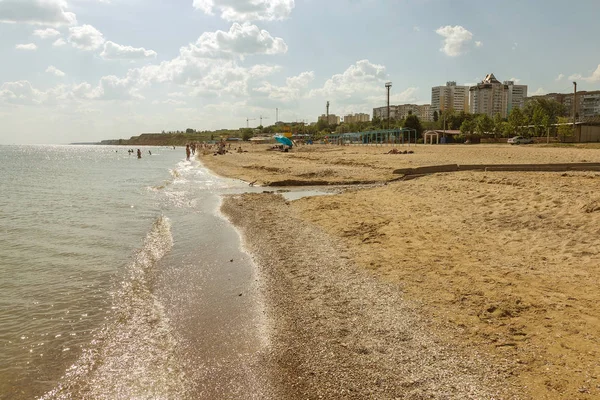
x,y
456,285
321,164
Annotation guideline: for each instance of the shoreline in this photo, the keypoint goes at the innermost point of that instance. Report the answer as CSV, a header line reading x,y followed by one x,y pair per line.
x,y
339,332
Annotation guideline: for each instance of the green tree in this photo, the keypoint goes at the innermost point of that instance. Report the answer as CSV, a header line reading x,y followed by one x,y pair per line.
x,y
537,119
467,127
247,134
190,130
484,124
377,122
321,125
413,122
516,121
565,128
498,125
435,116
551,108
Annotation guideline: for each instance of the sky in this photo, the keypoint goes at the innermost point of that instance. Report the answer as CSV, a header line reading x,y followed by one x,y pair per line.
x,y
88,70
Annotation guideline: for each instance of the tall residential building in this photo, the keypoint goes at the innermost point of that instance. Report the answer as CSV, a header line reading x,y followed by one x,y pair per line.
x,y
404,110
359,117
382,112
450,97
331,119
425,112
516,95
492,97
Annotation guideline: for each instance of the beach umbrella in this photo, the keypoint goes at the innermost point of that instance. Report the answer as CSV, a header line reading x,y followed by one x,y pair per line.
x,y
284,140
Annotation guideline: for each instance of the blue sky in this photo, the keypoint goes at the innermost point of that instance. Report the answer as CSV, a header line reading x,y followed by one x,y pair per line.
x,y
85,70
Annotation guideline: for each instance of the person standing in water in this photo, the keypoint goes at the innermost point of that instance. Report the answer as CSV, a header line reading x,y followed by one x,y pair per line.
x,y
139,153
187,152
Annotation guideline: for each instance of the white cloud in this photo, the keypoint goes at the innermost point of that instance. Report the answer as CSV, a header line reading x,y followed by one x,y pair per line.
x,y
177,94
559,77
293,89
205,69
358,81
85,37
594,77
59,42
114,51
456,39
515,45
55,71
416,29
515,80
247,10
170,102
244,39
360,88
20,92
28,46
261,70
109,88
539,92
46,33
37,12
478,44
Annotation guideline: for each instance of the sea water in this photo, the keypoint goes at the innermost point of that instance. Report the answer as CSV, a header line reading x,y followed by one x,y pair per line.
x,y
119,278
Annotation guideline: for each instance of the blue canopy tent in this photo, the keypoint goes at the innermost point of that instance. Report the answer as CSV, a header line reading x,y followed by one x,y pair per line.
x,y
283,140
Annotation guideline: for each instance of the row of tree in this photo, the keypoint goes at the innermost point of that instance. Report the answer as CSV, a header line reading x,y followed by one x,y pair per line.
x,y
536,119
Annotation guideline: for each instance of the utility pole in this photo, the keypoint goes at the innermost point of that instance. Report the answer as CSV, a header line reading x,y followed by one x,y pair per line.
x,y
574,106
388,86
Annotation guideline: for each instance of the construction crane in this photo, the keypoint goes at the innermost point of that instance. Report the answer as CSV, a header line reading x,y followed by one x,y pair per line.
x,y
248,121
261,118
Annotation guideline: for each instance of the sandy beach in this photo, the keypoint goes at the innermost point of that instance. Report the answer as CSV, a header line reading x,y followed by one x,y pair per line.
x,y
454,285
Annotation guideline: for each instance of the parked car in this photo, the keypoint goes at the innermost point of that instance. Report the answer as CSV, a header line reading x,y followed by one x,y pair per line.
x,y
520,140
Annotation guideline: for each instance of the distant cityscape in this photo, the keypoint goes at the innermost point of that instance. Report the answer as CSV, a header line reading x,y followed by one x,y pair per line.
x,y
490,97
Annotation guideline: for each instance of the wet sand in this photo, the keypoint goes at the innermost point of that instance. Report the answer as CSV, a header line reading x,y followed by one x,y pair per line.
x,y
457,285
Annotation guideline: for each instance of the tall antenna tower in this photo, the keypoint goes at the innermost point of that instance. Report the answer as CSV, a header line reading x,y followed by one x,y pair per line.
x,y
328,111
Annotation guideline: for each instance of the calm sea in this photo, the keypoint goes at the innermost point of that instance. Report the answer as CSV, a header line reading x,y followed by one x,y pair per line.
x,y
119,278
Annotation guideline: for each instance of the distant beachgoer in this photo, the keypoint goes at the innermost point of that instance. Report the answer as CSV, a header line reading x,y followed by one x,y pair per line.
x,y
149,152
187,152
139,153
239,150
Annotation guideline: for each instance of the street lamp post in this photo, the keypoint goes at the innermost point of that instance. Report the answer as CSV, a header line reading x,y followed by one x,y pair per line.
x,y
388,86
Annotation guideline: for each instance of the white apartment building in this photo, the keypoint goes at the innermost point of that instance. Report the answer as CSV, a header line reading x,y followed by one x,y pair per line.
x,y
517,94
332,119
359,117
450,97
423,112
492,97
